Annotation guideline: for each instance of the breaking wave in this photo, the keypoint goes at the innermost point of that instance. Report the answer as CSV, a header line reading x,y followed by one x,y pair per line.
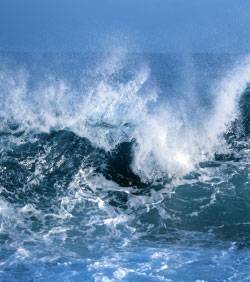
x,y
114,161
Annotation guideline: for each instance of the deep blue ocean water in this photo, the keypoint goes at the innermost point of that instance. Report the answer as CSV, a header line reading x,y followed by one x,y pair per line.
x,y
124,167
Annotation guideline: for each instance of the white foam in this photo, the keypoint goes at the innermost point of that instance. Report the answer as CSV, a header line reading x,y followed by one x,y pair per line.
x,y
112,112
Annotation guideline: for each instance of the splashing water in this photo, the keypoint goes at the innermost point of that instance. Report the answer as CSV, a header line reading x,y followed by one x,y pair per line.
x,y
116,178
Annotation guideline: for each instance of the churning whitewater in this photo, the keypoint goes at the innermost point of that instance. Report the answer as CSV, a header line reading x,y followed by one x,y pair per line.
x,y
124,168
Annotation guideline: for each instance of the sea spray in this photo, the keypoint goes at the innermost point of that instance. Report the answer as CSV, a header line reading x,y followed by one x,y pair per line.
x,y
113,178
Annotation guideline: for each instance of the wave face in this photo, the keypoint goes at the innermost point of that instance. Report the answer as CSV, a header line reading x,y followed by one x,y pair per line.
x,y
124,167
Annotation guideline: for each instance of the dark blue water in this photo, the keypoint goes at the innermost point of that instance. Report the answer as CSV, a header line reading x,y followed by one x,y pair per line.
x,y
124,167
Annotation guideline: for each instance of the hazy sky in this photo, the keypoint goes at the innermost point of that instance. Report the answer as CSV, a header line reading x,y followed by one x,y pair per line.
x,y
143,25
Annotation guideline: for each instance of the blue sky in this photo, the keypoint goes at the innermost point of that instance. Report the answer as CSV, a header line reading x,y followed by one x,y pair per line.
x,y
143,25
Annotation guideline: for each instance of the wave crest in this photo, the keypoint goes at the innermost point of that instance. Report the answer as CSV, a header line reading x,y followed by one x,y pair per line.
x,y
120,104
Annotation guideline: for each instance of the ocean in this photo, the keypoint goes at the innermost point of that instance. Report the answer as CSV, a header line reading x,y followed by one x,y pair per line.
x,y
124,167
